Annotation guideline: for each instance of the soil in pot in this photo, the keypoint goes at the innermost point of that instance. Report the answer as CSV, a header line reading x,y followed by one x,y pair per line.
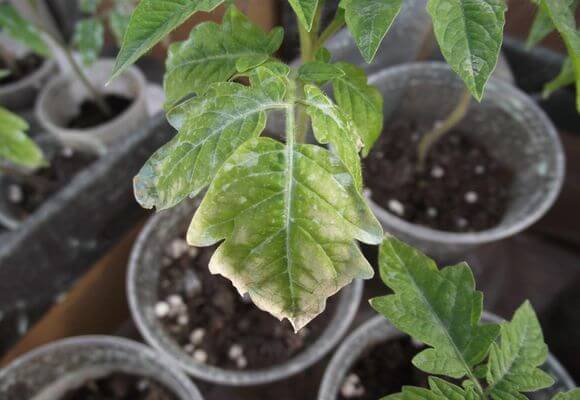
x,y
383,369
24,67
209,319
120,386
462,188
27,192
91,115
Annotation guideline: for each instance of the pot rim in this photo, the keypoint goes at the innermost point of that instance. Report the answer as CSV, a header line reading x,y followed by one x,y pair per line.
x,y
47,65
132,72
345,356
498,232
136,348
346,308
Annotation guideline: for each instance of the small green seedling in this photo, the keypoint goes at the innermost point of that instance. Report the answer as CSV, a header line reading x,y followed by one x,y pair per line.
x,y
287,213
443,310
15,146
559,15
88,38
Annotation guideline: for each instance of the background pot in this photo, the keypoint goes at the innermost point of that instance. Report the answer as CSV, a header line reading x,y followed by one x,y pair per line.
x,y
143,276
60,100
378,329
506,122
50,146
22,93
50,371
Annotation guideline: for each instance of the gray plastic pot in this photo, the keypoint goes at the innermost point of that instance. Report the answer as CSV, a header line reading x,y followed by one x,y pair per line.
x,y
144,270
50,146
50,371
61,99
22,93
507,122
378,330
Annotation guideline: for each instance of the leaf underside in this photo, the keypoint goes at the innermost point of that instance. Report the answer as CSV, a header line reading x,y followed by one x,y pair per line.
x,y
15,146
438,390
214,53
513,363
541,27
150,22
369,21
441,308
571,395
469,33
289,217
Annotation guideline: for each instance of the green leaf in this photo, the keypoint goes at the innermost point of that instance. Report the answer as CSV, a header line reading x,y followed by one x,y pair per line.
x,y
89,6
150,22
470,34
289,215
361,102
89,39
305,10
331,125
369,21
513,363
21,30
541,27
565,77
210,127
214,53
440,308
564,21
15,146
4,73
440,390
571,395
119,21
323,55
318,71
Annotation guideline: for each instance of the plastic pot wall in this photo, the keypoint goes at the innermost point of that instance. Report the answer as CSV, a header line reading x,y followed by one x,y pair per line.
x,y
22,93
507,122
52,370
144,271
378,330
61,99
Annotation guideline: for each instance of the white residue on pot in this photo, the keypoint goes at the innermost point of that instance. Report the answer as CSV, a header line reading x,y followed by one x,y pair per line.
x,y
15,194
396,206
461,222
352,387
471,197
161,309
197,336
432,212
479,170
67,152
176,248
437,172
200,356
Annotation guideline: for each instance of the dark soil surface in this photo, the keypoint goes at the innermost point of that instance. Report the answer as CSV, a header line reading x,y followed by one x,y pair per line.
x,y
383,369
27,195
120,386
463,188
91,115
24,67
214,324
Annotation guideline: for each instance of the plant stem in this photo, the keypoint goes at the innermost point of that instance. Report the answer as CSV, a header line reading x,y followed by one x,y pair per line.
x,y
308,42
441,128
97,96
334,26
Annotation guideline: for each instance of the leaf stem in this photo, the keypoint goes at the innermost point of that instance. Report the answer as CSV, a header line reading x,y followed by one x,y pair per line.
x,y
441,128
97,96
335,25
308,42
